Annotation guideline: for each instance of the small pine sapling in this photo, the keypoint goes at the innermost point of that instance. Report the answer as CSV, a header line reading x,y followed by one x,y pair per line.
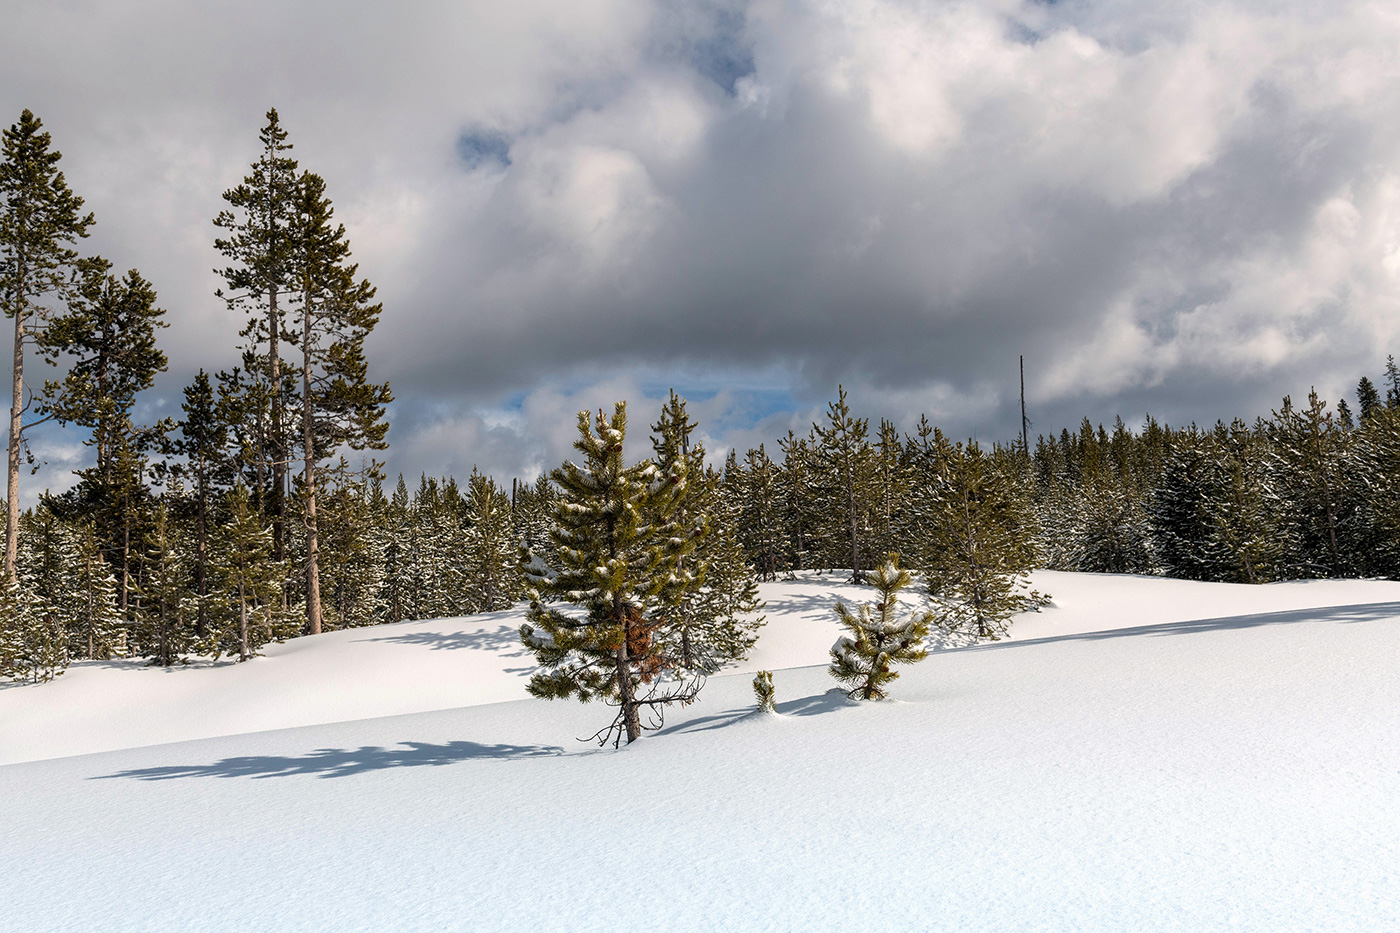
x,y
763,691
878,637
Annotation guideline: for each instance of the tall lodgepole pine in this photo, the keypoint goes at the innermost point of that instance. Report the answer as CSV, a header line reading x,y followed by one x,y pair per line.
x,y
39,222
259,245
108,336
339,406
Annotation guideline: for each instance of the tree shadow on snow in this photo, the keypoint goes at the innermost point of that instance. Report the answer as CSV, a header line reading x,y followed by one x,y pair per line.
x,y
1358,612
828,702
339,762
499,640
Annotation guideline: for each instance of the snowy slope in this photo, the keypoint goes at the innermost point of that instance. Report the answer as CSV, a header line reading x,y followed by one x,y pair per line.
x,y
1147,755
448,663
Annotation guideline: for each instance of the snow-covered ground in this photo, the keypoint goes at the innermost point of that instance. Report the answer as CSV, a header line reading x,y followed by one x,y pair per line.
x,y
1143,754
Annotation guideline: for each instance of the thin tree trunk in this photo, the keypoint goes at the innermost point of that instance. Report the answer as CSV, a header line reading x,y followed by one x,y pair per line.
x,y
313,568
856,576
631,719
242,623
275,447
12,474
201,587
126,555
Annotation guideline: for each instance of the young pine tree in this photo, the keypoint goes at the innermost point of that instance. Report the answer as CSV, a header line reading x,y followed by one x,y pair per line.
x,y
1310,458
846,472
248,579
760,520
33,643
165,620
618,555
878,636
981,543
714,619
493,579
763,694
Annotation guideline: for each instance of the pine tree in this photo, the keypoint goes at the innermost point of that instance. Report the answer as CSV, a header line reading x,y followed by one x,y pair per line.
x,y
878,636
165,623
1344,417
97,629
109,334
760,521
44,600
799,502
1181,511
352,551
847,474
260,246
204,445
339,406
890,489
763,692
530,510
1113,533
1244,543
33,644
618,557
1309,457
249,578
981,544
713,620
39,222
1367,398
1377,474
398,589
493,579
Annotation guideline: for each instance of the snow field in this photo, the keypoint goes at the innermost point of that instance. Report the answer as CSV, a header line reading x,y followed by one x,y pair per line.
x,y
1223,759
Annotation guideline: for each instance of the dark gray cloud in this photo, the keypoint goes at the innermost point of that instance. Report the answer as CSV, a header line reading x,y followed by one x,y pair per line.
x,y
1188,210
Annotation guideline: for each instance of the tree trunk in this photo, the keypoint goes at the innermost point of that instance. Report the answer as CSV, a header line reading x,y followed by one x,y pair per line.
x,y
313,568
631,718
12,464
275,447
201,587
242,623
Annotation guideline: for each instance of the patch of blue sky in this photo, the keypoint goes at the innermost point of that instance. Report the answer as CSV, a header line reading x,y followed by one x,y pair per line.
x,y
481,147
723,56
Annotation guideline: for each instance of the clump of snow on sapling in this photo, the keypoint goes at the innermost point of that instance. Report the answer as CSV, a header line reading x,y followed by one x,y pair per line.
x,y
878,637
763,691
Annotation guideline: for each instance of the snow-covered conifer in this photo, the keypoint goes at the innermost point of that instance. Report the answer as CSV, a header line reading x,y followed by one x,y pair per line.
x,y
763,692
33,643
492,570
845,479
759,522
714,617
982,543
878,636
1309,461
619,555
165,616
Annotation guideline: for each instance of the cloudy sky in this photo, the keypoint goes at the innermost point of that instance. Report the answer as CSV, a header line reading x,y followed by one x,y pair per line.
x,y
1183,208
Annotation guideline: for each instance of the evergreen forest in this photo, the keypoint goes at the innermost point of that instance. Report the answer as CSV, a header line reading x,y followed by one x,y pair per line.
x,y
261,512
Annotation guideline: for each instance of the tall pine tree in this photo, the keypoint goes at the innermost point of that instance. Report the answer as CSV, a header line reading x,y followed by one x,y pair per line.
x,y
39,223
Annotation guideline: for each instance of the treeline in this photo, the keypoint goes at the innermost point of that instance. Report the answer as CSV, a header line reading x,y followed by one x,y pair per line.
x,y
1302,493
244,521
220,530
